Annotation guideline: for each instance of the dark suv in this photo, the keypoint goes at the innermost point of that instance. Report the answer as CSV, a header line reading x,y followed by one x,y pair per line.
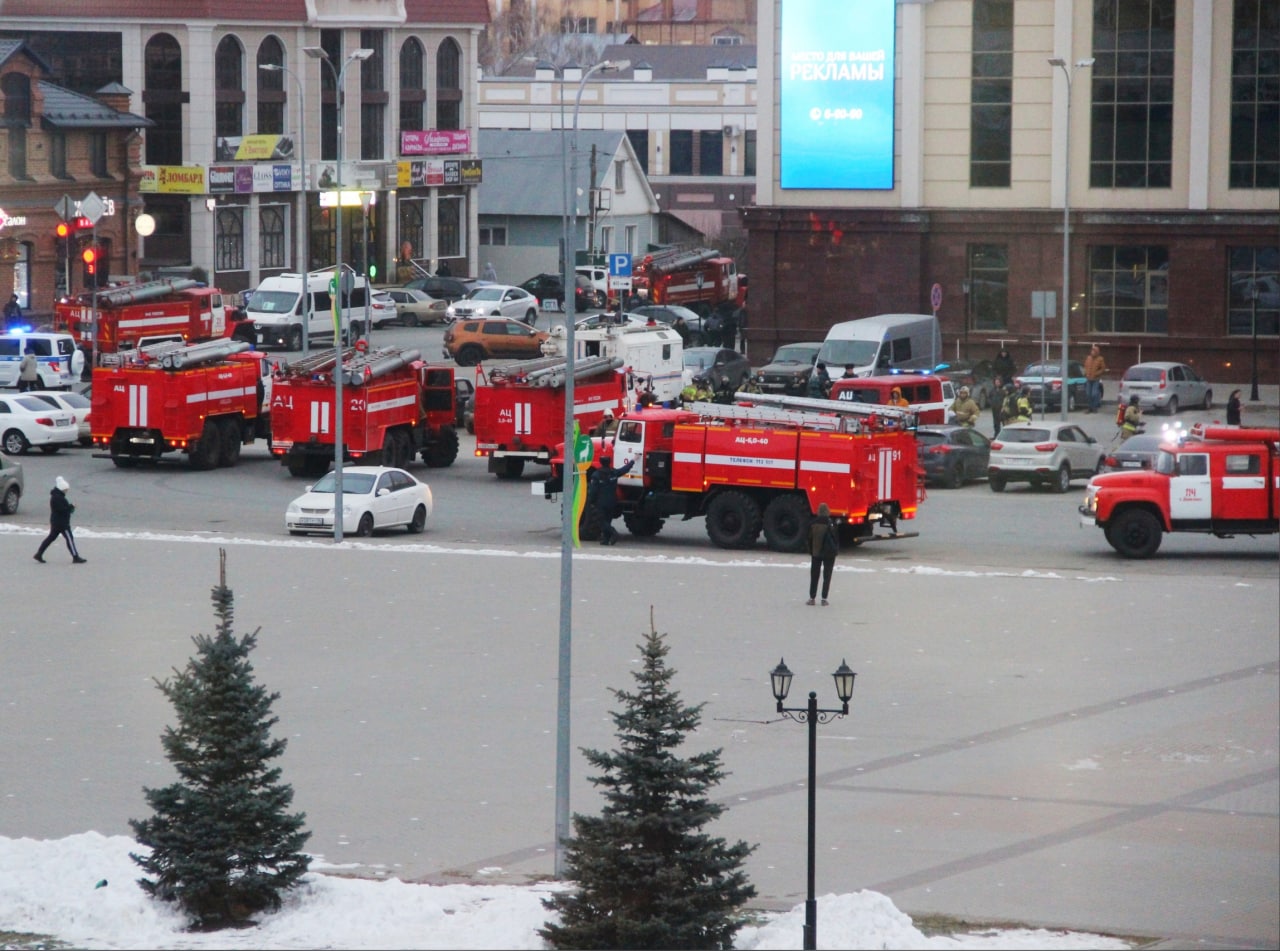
x,y
548,287
441,288
789,370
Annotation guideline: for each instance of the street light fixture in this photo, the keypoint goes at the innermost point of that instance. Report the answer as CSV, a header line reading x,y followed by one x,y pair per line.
x,y
304,216
318,52
564,664
780,681
1067,70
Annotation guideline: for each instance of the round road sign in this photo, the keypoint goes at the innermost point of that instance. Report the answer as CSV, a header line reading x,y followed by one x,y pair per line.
x,y
935,296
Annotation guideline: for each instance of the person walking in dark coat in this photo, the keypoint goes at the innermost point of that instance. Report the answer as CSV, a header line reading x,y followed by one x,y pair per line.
x,y
606,492
1233,408
1003,365
60,509
823,548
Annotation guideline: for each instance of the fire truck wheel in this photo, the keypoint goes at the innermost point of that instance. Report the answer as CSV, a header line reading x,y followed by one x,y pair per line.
x,y
510,469
9,504
997,482
316,466
733,520
786,523
391,450
297,467
589,524
365,528
1135,533
1063,482
419,522
207,449
230,439
443,450
295,339
643,526
15,444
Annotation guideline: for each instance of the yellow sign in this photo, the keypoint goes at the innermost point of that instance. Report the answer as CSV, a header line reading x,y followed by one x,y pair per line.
x,y
172,179
264,147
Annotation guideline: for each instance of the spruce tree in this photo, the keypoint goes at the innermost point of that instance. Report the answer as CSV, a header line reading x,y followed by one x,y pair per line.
x,y
645,874
223,846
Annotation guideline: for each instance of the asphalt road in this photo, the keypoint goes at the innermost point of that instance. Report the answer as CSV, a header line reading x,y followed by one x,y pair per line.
x,y
1041,731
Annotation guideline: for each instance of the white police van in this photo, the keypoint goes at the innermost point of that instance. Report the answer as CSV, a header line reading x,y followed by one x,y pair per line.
x,y
59,362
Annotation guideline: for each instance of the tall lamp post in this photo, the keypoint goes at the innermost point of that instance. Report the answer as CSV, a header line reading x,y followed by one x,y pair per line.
x,y
1067,69
564,663
304,213
780,680
1253,319
317,52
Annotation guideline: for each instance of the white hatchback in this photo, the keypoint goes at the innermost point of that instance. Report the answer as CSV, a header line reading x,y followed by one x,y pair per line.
x,y
373,497
26,421
1045,453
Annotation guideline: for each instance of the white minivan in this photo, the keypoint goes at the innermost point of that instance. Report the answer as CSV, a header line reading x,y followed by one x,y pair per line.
x,y
882,344
59,362
276,308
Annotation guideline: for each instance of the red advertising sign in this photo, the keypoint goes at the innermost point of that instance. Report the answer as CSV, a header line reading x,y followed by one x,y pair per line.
x,y
435,142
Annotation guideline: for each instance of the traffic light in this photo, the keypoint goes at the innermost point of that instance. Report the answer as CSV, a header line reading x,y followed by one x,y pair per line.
x,y
60,235
90,257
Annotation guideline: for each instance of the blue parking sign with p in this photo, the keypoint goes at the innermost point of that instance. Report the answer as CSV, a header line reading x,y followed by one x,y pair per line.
x,y
620,265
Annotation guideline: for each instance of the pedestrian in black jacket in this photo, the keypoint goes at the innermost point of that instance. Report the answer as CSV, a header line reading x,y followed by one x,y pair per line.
x,y
60,509
606,496
823,548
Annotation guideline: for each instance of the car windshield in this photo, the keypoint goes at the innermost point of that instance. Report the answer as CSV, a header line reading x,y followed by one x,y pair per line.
x,y
272,302
699,360
1041,369
357,483
795,355
1009,434
489,292
840,353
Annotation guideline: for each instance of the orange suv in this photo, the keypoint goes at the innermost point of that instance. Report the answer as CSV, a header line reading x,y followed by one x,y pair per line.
x,y
488,338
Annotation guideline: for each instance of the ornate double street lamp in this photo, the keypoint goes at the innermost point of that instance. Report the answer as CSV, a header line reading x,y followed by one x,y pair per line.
x,y
339,283
780,680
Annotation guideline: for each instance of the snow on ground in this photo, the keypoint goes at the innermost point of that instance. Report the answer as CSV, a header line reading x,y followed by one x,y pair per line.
x,y
82,890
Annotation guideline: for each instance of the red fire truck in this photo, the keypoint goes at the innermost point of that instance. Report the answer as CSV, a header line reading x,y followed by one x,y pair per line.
x,y
764,466
206,400
1219,480
697,278
394,407
175,309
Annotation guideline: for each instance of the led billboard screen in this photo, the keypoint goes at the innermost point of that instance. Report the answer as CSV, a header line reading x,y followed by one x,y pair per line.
x,y
835,95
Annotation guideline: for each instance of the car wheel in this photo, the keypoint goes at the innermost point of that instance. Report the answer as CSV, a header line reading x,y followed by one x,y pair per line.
x,y
1071,401
1208,400
411,319
469,356
1135,533
15,444
953,476
50,450
786,523
733,520
1063,482
997,482
419,521
1172,408
9,504
601,299
365,528
295,339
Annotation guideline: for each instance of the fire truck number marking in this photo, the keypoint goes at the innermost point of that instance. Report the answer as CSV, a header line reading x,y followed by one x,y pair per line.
x,y
319,417
751,440
137,405
524,419
358,406
1190,494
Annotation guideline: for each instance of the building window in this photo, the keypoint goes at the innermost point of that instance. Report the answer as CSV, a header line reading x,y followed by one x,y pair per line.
x,y
1254,292
629,235
98,154
1132,91
987,297
449,85
1129,289
493,235
228,71
727,40
229,249
619,177
17,117
640,145
164,98
606,239
372,140
572,24
413,93
272,235
680,152
1255,95
449,227
991,94
749,153
271,92
710,153
331,43
373,97
58,155
412,233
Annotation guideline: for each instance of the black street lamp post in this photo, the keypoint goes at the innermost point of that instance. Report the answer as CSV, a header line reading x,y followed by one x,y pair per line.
x,y
780,680
1253,301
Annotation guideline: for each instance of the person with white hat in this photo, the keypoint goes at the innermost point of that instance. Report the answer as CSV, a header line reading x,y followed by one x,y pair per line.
x,y
60,509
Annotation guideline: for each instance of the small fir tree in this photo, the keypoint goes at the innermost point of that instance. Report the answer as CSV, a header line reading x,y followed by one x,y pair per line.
x,y
223,846
646,875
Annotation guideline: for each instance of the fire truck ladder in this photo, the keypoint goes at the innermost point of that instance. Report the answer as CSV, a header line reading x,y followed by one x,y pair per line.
x,y
839,407
768,409
552,371
675,259
183,357
321,361
135,293
769,416
365,367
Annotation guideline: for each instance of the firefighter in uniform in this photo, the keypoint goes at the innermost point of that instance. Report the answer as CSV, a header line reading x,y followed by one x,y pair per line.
x,y
965,409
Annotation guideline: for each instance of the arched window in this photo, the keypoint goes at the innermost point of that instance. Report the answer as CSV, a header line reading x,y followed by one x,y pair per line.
x,y
228,72
412,235
164,99
271,236
449,85
413,93
229,251
272,96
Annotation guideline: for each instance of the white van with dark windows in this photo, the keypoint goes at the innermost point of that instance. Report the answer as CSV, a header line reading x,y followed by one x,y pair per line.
x,y
276,308
59,362
882,344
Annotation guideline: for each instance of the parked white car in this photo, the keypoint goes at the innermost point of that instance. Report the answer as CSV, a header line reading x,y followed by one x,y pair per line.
x,y
27,421
373,498
1165,387
496,300
1043,453
77,403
